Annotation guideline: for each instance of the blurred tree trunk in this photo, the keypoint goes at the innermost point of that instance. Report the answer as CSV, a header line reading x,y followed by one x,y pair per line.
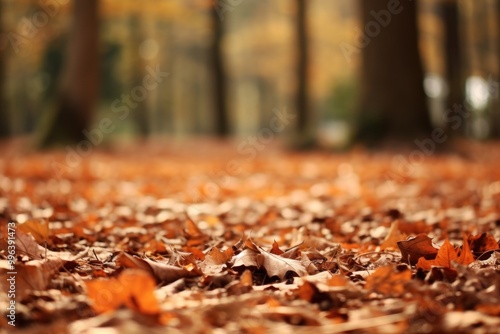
x,y
79,90
140,114
304,115
453,53
4,128
392,102
219,75
495,89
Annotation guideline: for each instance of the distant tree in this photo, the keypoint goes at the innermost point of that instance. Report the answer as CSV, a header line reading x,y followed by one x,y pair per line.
x,y
78,90
496,78
4,129
452,53
219,74
304,115
392,100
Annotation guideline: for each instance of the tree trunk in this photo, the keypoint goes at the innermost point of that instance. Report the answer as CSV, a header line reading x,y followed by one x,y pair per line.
x,y
78,91
495,84
392,101
304,119
453,53
4,128
219,75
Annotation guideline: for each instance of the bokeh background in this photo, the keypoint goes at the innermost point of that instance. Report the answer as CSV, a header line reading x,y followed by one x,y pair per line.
x,y
255,48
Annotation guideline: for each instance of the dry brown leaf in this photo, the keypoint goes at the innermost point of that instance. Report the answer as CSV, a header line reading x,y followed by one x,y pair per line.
x,y
413,249
444,258
393,236
482,243
162,272
247,258
216,256
26,244
276,265
133,288
39,229
33,275
388,280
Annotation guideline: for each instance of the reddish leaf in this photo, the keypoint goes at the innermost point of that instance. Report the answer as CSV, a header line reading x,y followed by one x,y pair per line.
x,y
413,249
482,243
276,249
445,256
466,257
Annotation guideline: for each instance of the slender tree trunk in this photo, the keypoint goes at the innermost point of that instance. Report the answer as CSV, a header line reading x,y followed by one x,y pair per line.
x,y
219,76
302,95
140,114
453,53
392,100
78,92
4,128
495,89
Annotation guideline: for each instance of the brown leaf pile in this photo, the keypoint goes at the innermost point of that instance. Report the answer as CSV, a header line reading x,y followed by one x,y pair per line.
x,y
157,239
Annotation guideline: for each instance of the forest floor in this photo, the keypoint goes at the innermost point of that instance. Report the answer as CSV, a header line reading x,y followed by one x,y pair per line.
x,y
210,238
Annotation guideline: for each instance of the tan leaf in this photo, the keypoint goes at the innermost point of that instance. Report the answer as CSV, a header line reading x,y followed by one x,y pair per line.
x,y
276,265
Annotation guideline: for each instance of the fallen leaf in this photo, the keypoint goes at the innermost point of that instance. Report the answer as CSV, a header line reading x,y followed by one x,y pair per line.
x,y
133,288
466,257
444,258
246,278
276,249
39,229
393,236
216,256
276,265
413,249
34,275
162,272
26,244
482,243
247,258
388,280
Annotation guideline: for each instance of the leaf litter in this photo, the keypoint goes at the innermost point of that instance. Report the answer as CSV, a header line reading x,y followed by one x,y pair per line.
x,y
135,242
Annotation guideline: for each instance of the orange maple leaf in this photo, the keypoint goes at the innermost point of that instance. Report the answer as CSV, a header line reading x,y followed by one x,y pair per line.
x,y
446,254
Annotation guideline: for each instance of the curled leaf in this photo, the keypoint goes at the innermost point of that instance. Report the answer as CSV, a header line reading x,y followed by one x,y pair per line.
x,y
413,249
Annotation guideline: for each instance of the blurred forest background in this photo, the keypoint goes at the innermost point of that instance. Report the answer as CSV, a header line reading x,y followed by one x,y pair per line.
x,y
345,68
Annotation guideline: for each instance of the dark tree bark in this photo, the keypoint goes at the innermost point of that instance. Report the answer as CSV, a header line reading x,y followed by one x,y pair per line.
x,y
392,100
495,89
219,75
453,53
79,90
4,128
304,116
